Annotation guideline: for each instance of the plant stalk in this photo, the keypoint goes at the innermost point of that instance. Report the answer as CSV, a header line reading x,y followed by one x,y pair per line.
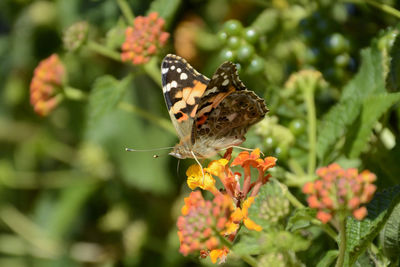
x,y
126,11
104,51
342,244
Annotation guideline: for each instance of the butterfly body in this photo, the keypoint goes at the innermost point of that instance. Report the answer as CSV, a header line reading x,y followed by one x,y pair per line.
x,y
209,115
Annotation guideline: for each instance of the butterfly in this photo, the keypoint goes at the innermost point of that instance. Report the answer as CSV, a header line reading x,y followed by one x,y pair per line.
x,y
209,115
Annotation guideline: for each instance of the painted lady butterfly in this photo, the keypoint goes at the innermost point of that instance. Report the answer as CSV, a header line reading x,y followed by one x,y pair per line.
x,y
209,115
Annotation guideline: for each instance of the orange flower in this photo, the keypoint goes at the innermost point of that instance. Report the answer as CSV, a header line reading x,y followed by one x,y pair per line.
x,y
340,190
201,222
246,158
144,39
267,163
46,83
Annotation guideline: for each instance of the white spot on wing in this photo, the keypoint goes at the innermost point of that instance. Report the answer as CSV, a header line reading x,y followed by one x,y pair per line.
x,y
168,87
225,82
183,76
172,67
164,70
178,70
174,84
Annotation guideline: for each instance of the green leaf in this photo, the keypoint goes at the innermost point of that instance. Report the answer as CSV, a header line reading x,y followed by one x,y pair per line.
x,y
361,233
106,94
390,235
301,219
372,109
368,81
254,243
393,79
166,9
328,259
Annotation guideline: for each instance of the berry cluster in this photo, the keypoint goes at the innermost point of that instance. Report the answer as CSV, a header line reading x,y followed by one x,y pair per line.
x,y
330,53
240,45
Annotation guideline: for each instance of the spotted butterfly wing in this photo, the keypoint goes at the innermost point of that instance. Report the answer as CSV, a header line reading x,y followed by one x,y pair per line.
x,y
209,115
226,111
183,88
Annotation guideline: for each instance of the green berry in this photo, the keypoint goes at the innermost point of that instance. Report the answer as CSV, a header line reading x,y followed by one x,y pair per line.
x,y
228,55
281,151
234,42
297,127
337,43
256,65
270,142
233,27
245,52
342,60
222,36
251,35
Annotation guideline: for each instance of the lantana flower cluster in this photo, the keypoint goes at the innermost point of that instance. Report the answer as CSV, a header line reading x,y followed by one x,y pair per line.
x,y
46,83
340,191
75,36
144,39
207,226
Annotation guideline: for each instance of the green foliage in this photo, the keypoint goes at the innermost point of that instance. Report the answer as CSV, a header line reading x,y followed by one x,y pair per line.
x,y
328,259
166,9
372,109
390,235
301,219
368,81
107,93
361,233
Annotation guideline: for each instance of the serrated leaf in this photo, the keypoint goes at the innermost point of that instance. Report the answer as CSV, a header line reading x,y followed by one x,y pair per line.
x,y
373,108
368,81
361,233
390,235
106,94
328,259
253,243
393,78
166,9
301,219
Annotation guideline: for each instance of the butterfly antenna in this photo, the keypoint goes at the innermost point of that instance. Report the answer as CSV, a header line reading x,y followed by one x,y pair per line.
x,y
146,150
247,149
201,167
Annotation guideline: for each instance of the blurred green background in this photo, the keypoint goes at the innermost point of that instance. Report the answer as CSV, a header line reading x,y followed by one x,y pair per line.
x,y
69,193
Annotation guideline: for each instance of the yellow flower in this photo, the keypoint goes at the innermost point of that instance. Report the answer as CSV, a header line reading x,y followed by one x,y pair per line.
x,y
250,224
217,167
196,179
219,254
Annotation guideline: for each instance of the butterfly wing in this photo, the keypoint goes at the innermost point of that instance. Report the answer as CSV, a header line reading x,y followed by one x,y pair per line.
x,y
183,88
225,112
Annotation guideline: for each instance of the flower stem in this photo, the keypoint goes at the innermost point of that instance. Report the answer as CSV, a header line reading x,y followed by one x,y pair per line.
x,y
153,71
74,94
163,123
247,258
126,11
104,51
342,244
312,128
